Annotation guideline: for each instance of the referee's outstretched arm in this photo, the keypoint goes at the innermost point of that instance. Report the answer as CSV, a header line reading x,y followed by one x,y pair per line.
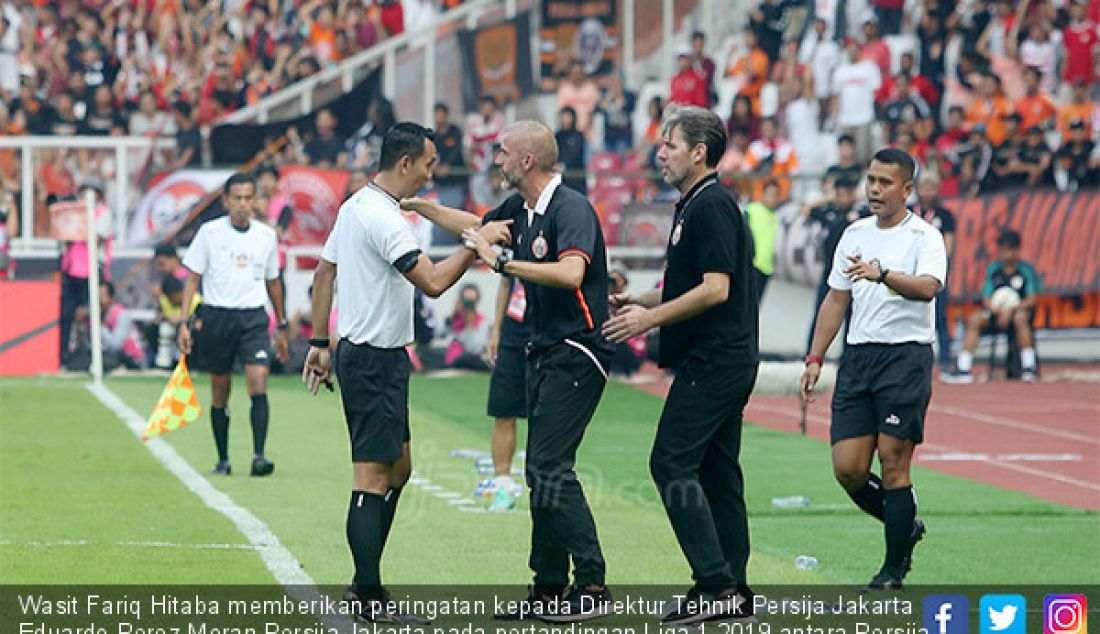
x,y
433,278
451,219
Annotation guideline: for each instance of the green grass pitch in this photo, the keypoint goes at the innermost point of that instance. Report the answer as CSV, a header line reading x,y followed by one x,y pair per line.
x,y
84,502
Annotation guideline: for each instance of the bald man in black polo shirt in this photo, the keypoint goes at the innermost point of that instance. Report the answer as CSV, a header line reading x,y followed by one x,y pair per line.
x,y
707,312
560,255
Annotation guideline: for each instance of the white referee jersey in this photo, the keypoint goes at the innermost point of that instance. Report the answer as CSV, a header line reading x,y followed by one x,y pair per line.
x,y
374,302
879,313
235,265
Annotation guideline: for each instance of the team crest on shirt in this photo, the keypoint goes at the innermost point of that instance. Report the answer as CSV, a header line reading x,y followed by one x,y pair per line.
x,y
677,232
1017,282
539,247
241,260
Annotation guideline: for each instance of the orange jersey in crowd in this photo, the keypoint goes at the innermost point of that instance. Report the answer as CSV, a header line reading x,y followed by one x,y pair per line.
x,y
990,112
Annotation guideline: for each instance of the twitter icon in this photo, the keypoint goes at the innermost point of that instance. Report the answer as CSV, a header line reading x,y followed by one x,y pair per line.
x,y
1003,614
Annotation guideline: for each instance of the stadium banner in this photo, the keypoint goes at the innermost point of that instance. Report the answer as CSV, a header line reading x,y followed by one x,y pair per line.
x,y
497,61
165,205
236,144
577,29
1057,228
314,195
29,340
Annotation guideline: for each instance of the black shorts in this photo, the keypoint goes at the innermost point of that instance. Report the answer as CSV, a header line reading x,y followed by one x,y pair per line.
x,y
508,385
374,386
882,389
222,335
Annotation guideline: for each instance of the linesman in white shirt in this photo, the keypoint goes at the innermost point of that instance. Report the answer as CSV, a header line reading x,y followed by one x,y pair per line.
x,y
236,261
889,267
373,262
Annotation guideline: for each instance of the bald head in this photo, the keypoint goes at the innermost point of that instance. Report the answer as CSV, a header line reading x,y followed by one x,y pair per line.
x,y
534,138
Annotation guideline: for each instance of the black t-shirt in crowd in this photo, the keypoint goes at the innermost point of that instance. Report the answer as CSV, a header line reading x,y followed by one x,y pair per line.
x,y
853,173
449,144
834,220
939,217
319,149
101,123
709,234
1074,157
571,150
190,138
569,227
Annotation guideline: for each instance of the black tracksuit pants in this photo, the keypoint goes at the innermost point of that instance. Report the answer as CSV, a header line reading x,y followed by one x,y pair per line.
x,y
564,387
695,464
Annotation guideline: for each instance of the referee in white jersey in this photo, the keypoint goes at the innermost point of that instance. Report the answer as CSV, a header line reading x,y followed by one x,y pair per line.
x,y
372,256
889,267
235,259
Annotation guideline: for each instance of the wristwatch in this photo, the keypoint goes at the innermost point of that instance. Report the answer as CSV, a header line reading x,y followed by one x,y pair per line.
x,y
882,275
320,342
502,259
283,325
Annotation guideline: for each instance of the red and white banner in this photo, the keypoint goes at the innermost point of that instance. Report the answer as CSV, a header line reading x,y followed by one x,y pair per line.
x,y
315,195
167,201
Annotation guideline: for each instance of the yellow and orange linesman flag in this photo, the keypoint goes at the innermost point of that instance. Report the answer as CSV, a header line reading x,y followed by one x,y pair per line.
x,y
178,404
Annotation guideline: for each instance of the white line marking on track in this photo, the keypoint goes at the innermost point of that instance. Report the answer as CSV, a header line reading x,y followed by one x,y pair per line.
x,y
279,561
1013,423
821,420
1005,457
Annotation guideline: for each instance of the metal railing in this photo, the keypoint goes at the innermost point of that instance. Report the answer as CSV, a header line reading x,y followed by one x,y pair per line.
x,y
122,190
297,99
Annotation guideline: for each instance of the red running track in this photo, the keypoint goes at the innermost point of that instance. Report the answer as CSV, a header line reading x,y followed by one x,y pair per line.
x,y
1042,438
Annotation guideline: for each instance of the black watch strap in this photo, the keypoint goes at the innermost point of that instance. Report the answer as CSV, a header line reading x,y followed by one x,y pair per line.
x,y
319,342
882,275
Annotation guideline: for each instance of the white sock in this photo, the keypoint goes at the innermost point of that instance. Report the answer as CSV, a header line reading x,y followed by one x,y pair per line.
x,y
504,483
1027,358
964,361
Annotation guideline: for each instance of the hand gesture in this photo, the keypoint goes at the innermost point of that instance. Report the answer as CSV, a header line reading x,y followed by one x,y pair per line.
x,y
473,239
183,339
493,347
860,270
317,370
809,379
629,321
497,232
417,204
282,348
617,302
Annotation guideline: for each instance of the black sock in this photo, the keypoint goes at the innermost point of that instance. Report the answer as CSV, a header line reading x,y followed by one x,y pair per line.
x,y
899,508
392,496
366,516
219,419
870,498
258,414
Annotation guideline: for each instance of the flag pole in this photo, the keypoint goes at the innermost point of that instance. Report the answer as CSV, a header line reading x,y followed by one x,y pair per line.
x,y
94,309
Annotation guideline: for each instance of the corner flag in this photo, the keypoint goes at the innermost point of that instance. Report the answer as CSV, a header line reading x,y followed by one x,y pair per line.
x,y
177,406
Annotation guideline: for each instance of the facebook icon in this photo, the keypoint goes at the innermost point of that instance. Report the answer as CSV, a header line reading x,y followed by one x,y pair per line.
x,y
946,614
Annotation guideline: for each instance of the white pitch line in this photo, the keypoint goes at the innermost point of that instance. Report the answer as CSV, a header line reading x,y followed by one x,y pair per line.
x,y
283,566
279,561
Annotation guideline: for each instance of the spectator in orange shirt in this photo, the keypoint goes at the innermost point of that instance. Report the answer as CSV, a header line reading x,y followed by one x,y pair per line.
x,y
770,156
990,108
1036,108
751,70
322,31
1079,107
689,86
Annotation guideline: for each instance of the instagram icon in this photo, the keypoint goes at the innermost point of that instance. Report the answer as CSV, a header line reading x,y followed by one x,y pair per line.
x,y
1065,614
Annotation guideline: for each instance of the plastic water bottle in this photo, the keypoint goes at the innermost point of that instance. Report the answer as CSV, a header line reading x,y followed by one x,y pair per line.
x,y
806,562
484,466
790,502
